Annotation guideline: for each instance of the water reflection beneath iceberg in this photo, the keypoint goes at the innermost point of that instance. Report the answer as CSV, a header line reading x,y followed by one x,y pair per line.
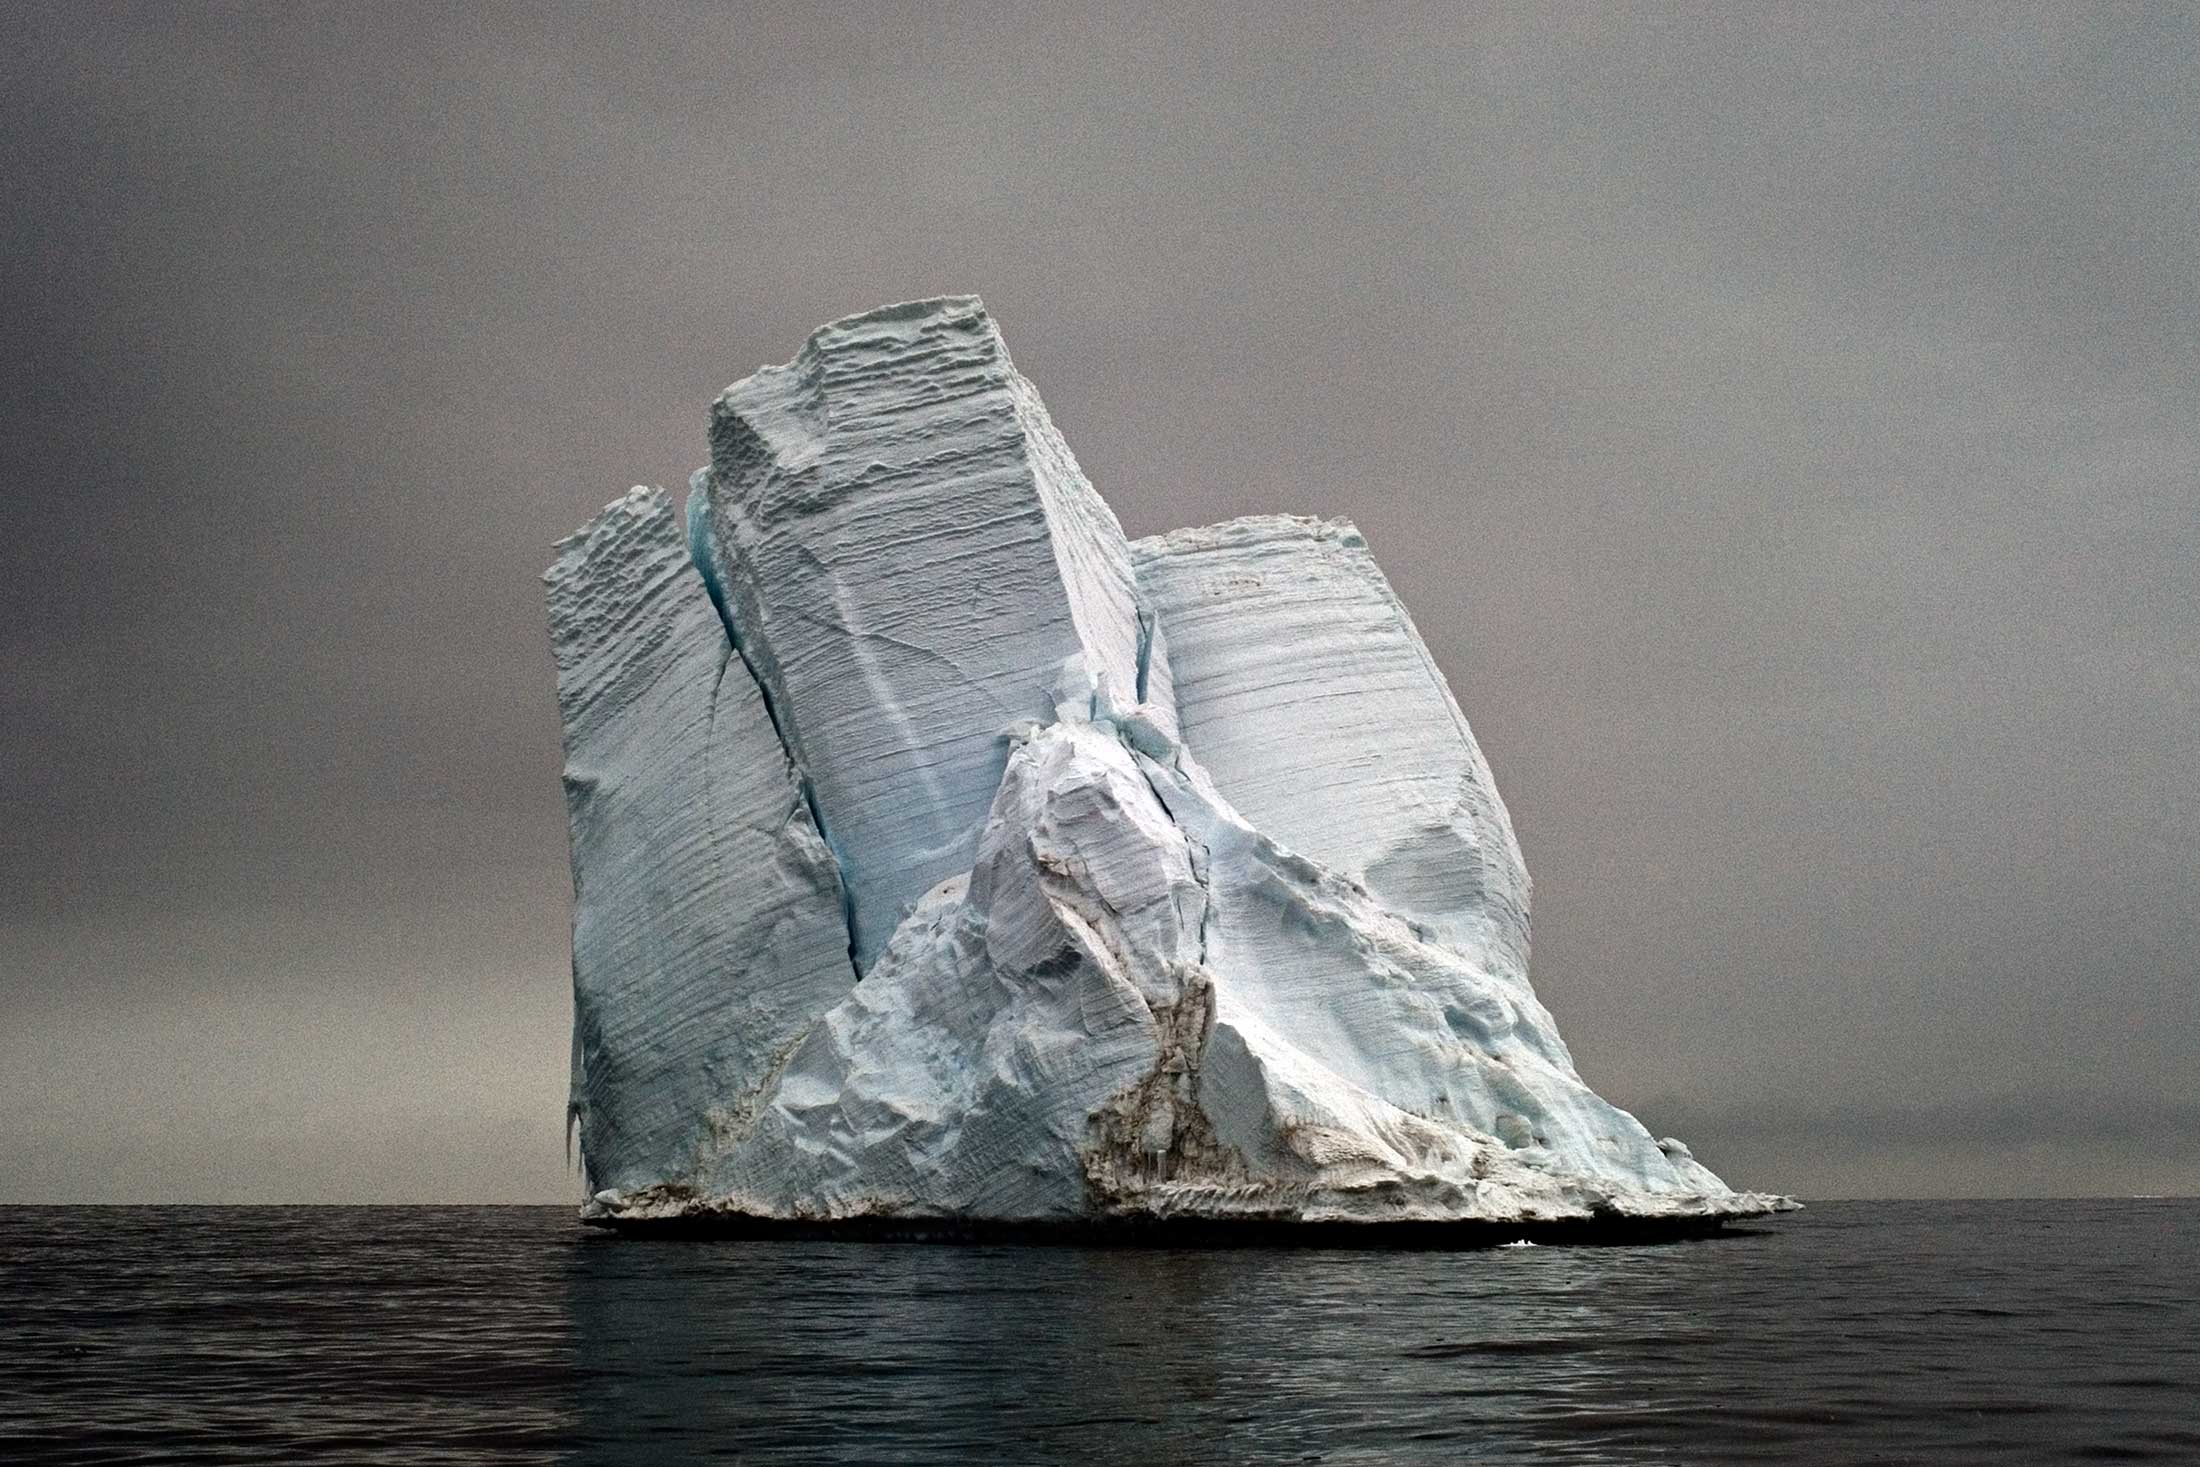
x,y
784,1352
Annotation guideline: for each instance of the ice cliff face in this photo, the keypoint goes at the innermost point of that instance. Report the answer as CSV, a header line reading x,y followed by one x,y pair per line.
x,y
1319,712
707,914
940,855
908,555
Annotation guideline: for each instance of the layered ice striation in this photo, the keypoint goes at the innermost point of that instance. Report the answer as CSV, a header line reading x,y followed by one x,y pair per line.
x,y
911,560
708,933
1317,709
942,857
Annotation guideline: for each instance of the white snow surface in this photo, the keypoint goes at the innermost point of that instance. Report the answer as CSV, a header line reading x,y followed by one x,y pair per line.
x,y
1176,892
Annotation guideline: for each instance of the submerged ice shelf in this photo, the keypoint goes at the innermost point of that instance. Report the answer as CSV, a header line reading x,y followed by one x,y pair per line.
x,y
941,857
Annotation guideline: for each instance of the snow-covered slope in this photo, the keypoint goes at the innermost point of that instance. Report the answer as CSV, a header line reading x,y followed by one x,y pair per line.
x,y
1136,1005
1178,893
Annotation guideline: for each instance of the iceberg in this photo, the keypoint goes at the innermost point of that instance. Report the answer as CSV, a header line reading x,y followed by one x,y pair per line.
x,y
945,861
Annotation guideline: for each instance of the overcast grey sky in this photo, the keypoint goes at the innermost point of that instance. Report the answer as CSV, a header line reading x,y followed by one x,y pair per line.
x,y
1784,424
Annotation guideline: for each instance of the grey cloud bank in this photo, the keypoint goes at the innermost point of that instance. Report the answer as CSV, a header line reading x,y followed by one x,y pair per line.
x,y
1785,425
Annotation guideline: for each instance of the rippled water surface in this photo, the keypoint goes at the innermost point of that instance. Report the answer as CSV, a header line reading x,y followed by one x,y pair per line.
x,y
1958,1332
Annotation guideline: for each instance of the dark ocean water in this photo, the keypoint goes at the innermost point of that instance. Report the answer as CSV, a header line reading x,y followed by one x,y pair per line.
x,y
1854,1332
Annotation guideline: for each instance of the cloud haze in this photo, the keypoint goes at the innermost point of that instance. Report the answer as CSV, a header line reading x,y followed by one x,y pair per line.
x,y
1783,423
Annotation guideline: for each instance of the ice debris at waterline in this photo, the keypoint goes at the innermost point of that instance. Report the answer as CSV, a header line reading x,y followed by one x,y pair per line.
x,y
942,858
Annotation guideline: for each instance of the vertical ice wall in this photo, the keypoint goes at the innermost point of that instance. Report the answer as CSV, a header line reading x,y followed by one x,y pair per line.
x,y
1307,694
707,923
912,562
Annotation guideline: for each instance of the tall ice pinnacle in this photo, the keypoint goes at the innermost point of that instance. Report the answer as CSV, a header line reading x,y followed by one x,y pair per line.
x,y
912,562
941,859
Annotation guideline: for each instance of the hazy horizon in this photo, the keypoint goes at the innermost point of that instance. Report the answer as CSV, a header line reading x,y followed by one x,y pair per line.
x,y
1783,424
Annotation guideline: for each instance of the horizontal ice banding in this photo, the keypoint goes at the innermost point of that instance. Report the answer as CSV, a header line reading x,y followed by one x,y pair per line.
x,y
1306,692
940,855
707,925
910,557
